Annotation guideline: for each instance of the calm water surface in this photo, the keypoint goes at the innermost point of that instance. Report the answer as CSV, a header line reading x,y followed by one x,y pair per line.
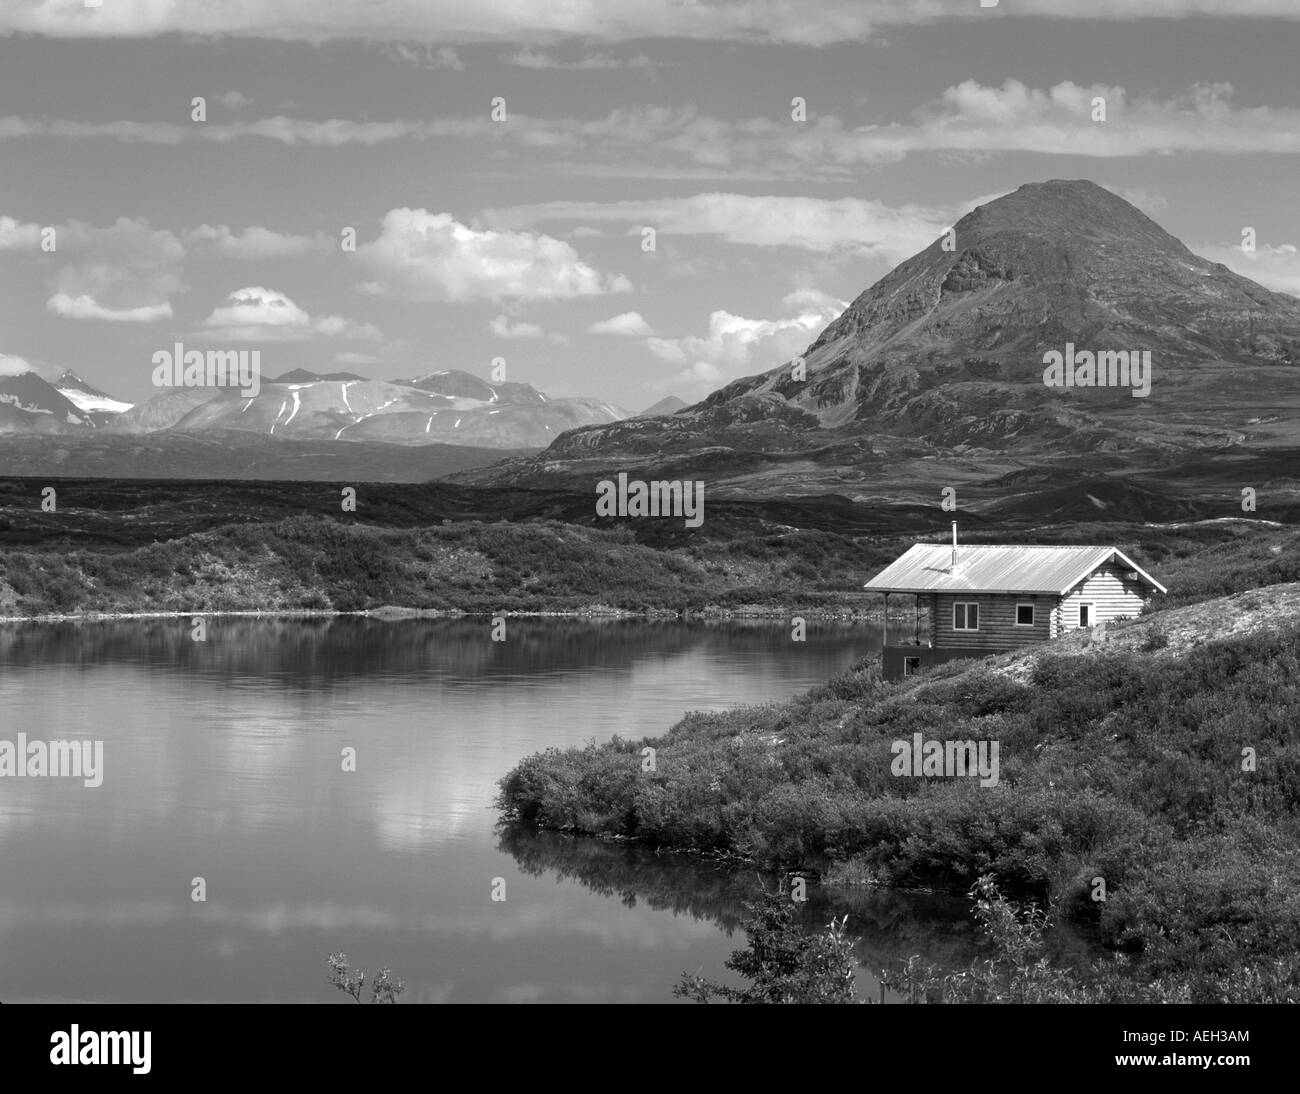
x,y
223,761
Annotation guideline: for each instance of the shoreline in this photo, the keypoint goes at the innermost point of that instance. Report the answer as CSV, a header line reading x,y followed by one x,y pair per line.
x,y
394,613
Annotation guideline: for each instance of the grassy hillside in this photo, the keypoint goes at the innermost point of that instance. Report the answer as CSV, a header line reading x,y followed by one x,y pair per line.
x,y
166,546
313,563
1120,760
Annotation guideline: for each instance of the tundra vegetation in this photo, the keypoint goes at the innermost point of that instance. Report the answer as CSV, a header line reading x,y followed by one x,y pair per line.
x,y
383,989
163,547
1150,792
1120,760
785,964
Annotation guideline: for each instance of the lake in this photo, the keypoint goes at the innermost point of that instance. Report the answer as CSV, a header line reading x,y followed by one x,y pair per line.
x,y
223,761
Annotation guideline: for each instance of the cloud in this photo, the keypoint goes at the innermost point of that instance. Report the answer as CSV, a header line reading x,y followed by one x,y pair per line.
x,y
126,272
629,324
255,314
350,358
656,142
123,273
253,243
528,57
803,22
431,256
430,56
814,22
329,133
11,365
87,307
234,100
503,328
17,236
850,225
814,299
734,346
1276,267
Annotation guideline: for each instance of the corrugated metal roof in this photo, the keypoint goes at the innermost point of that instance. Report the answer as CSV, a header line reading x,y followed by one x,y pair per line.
x,y
987,568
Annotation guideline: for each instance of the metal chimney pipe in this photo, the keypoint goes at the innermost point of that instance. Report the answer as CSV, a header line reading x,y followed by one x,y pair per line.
x,y
953,567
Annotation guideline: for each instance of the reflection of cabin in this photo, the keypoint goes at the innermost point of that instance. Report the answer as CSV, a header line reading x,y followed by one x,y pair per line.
x,y
983,599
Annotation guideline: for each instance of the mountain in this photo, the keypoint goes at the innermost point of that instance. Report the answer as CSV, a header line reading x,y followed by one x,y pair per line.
x,y
29,403
301,425
302,376
449,407
102,409
937,369
162,411
670,405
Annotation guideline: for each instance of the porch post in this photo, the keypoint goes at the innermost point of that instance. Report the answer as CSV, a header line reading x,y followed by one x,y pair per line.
x,y
884,630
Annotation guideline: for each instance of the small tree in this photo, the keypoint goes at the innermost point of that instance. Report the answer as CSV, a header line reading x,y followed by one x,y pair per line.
x,y
1018,971
384,989
783,964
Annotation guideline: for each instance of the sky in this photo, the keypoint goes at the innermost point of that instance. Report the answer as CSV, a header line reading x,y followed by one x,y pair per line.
x,y
393,187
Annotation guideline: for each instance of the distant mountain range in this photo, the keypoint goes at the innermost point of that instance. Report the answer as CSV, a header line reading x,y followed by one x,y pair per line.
x,y
933,377
463,420
31,404
447,407
670,405
935,374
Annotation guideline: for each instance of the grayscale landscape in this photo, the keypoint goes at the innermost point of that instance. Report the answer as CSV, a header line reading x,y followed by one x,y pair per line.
x,y
651,503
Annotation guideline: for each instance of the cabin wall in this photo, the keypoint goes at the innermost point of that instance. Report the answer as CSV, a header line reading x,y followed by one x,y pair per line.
x,y
997,621
894,658
1110,595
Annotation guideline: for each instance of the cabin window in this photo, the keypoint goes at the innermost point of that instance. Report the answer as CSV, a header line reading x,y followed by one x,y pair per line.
x,y
1085,615
1024,615
965,616
911,666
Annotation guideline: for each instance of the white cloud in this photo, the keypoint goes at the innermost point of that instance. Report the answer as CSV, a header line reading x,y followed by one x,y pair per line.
x,y
805,22
87,307
17,236
850,225
735,346
814,22
253,243
629,324
528,57
11,365
234,100
1275,266
431,256
648,142
255,314
427,56
503,328
814,299
126,272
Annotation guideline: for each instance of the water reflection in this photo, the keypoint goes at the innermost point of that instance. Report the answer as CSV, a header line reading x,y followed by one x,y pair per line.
x,y
222,760
888,925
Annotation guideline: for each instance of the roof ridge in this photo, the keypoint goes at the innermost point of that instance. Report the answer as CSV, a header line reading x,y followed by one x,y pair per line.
x,y
1030,546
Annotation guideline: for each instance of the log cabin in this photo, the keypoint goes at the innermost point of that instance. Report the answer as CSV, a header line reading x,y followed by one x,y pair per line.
x,y
982,599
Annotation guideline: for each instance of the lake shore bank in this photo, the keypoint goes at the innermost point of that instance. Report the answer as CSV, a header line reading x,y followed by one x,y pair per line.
x,y
703,615
1127,802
